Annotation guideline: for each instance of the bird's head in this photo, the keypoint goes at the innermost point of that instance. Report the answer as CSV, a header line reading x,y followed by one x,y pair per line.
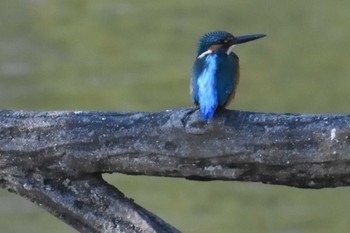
x,y
212,41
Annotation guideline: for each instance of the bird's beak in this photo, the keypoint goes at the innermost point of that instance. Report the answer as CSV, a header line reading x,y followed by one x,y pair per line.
x,y
246,38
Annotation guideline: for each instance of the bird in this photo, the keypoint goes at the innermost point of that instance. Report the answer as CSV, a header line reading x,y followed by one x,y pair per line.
x,y
215,71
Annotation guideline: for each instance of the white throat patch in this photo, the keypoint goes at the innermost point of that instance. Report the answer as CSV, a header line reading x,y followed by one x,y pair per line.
x,y
205,53
213,49
230,49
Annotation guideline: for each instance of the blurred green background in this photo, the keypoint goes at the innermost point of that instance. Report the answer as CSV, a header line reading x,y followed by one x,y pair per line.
x,y
137,56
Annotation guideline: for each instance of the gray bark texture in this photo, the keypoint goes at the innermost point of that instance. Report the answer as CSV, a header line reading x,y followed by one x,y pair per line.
x,y
56,159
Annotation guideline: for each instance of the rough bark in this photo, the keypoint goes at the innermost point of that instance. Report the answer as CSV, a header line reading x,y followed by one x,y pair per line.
x,y
55,158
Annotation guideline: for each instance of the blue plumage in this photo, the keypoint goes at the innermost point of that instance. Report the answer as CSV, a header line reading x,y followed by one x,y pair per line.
x,y
207,91
215,72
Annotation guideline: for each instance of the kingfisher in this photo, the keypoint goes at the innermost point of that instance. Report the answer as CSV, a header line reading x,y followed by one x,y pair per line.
x,y
215,72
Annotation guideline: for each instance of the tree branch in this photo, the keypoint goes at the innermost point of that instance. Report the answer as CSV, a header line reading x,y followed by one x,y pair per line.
x,y
55,158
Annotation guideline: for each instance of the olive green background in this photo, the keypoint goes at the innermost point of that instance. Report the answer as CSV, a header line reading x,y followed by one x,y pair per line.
x,y
137,56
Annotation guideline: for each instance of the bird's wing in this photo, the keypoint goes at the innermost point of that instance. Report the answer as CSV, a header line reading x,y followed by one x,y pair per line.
x,y
197,68
228,73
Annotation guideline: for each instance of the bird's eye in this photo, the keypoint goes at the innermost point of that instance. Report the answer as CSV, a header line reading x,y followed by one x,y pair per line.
x,y
226,40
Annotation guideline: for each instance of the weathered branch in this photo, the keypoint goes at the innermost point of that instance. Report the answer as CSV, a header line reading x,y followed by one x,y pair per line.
x,y
55,158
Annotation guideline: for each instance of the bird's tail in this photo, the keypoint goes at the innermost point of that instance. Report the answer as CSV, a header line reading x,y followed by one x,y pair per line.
x,y
207,111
